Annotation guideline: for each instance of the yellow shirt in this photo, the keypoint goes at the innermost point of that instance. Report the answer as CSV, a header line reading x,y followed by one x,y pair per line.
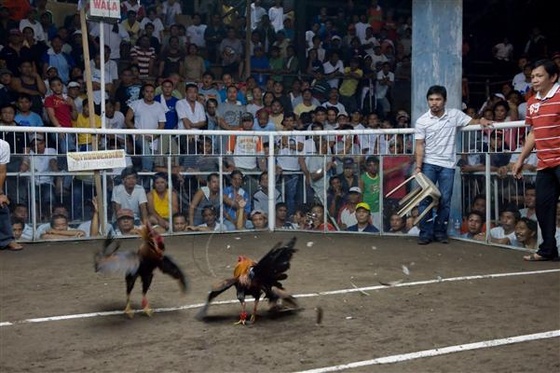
x,y
161,205
83,122
350,84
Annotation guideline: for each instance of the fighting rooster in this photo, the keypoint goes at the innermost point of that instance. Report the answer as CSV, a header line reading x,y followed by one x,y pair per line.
x,y
142,263
255,278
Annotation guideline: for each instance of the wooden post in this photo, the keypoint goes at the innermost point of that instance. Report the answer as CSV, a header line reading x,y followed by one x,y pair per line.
x,y
89,88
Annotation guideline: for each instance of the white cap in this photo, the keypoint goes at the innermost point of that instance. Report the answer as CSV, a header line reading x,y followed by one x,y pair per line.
x,y
355,190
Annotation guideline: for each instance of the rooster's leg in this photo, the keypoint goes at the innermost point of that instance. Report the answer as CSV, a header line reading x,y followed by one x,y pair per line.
x,y
242,316
146,282
254,315
130,280
146,306
128,309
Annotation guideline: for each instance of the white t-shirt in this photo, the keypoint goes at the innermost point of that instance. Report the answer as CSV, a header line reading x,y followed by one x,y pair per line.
x,y
184,110
498,232
196,35
246,150
287,157
4,152
439,136
130,201
348,218
256,14
169,12
216,228
112,39
41,162
111,74
147,116
381,90
329,68
276,16
37,29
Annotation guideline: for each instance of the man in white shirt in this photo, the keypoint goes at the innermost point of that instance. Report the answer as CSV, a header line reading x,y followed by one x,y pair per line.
x,y
146,114
435,157
195,32
169,10
113,36
334,69
287,162
276,15
31,21
257,11
7,240
385,80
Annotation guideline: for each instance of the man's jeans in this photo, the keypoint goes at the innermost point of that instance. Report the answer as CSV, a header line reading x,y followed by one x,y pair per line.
x,y
291,193
548,192
434,224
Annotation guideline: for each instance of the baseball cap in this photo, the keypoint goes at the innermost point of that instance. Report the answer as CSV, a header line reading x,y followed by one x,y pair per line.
x,y
355,190
348,162
51,67
74,84
257,211
402,114
5,71
363,205
15,31
336,37
125,213
36,136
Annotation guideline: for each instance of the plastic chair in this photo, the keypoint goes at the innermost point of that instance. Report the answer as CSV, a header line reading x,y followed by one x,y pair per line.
x,y
426,188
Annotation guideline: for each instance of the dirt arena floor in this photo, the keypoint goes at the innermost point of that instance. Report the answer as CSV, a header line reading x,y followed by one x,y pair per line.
x,y
451,308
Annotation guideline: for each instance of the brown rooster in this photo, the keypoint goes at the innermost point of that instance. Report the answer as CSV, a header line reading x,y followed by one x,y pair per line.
x,y
142,263
255,278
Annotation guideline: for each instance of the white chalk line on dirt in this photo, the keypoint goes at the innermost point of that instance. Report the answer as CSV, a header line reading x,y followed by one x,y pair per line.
x,y
437,352
308,295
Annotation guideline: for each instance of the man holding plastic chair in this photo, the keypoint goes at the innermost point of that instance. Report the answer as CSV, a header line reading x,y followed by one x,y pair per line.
x,y
435,157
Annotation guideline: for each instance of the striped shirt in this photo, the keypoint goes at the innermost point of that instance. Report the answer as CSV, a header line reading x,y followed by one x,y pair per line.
x,y
144,57
543,114
439,136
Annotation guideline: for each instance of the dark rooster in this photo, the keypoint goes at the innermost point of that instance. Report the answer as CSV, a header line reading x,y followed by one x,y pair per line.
x,y
255,278
142,263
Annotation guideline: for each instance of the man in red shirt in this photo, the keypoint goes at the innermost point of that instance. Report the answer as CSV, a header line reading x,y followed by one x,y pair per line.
x,y
61,111
543,115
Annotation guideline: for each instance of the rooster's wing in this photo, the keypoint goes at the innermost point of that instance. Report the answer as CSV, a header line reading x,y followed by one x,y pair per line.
x,y
217,289
273,266
168,266
109,260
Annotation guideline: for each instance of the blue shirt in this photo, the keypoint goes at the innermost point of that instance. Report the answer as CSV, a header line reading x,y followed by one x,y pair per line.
x,y
171,118
269,126
228,191
31,120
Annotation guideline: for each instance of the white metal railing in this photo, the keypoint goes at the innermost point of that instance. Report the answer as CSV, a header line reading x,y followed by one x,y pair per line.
x,y
182,152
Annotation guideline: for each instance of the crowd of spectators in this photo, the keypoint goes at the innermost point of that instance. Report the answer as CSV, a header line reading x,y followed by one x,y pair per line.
x,y
168,70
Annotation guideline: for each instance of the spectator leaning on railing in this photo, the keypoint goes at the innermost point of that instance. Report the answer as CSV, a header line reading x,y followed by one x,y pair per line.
x,y
543,115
